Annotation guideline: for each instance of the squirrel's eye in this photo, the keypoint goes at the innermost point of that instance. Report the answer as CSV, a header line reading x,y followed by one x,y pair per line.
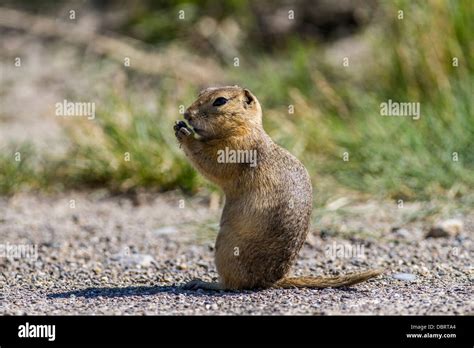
x,y
219,101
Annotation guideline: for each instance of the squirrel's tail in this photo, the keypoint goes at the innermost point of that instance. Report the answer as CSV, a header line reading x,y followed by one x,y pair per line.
x,y
326,282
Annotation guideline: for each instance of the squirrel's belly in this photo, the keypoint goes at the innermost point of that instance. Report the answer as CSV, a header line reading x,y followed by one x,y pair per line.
x,y
257,251
262,230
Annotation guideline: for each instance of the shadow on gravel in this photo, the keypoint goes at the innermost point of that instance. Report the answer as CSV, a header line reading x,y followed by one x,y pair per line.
x,y
134,291
152,290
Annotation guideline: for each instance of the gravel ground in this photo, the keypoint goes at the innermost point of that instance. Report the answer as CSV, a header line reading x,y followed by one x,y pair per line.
x,y
98,254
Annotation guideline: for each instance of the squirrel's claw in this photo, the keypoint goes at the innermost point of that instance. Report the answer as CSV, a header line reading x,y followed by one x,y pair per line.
x,y
178,125
181,129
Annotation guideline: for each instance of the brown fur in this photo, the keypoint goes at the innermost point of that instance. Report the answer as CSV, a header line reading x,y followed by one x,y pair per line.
x,y
267,211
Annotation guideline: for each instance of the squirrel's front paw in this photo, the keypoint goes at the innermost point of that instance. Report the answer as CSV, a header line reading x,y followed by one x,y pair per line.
x,y
181,130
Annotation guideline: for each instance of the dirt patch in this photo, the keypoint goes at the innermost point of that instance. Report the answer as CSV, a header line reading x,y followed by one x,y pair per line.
x,y
97,254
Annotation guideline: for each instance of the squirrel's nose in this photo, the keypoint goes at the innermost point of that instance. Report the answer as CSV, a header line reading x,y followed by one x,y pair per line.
x,y
188,115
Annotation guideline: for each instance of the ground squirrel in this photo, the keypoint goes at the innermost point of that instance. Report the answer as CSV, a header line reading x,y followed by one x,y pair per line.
x,y
268,199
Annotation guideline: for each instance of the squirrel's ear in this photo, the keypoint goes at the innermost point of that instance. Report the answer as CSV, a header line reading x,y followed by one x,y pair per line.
x,y
249,97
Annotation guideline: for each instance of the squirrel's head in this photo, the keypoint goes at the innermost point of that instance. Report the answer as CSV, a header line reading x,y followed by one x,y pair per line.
x,y
221,112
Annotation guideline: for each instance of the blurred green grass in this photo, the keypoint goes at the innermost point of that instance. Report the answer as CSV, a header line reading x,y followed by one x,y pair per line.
x,y
335,112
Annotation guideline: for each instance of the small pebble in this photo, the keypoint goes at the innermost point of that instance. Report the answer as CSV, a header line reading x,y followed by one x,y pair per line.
x,y
407,277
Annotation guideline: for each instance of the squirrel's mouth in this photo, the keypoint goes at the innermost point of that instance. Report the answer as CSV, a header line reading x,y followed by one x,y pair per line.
x,y
198,130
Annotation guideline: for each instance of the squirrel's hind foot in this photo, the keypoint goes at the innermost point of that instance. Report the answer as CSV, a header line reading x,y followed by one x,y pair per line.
x,y
200,284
